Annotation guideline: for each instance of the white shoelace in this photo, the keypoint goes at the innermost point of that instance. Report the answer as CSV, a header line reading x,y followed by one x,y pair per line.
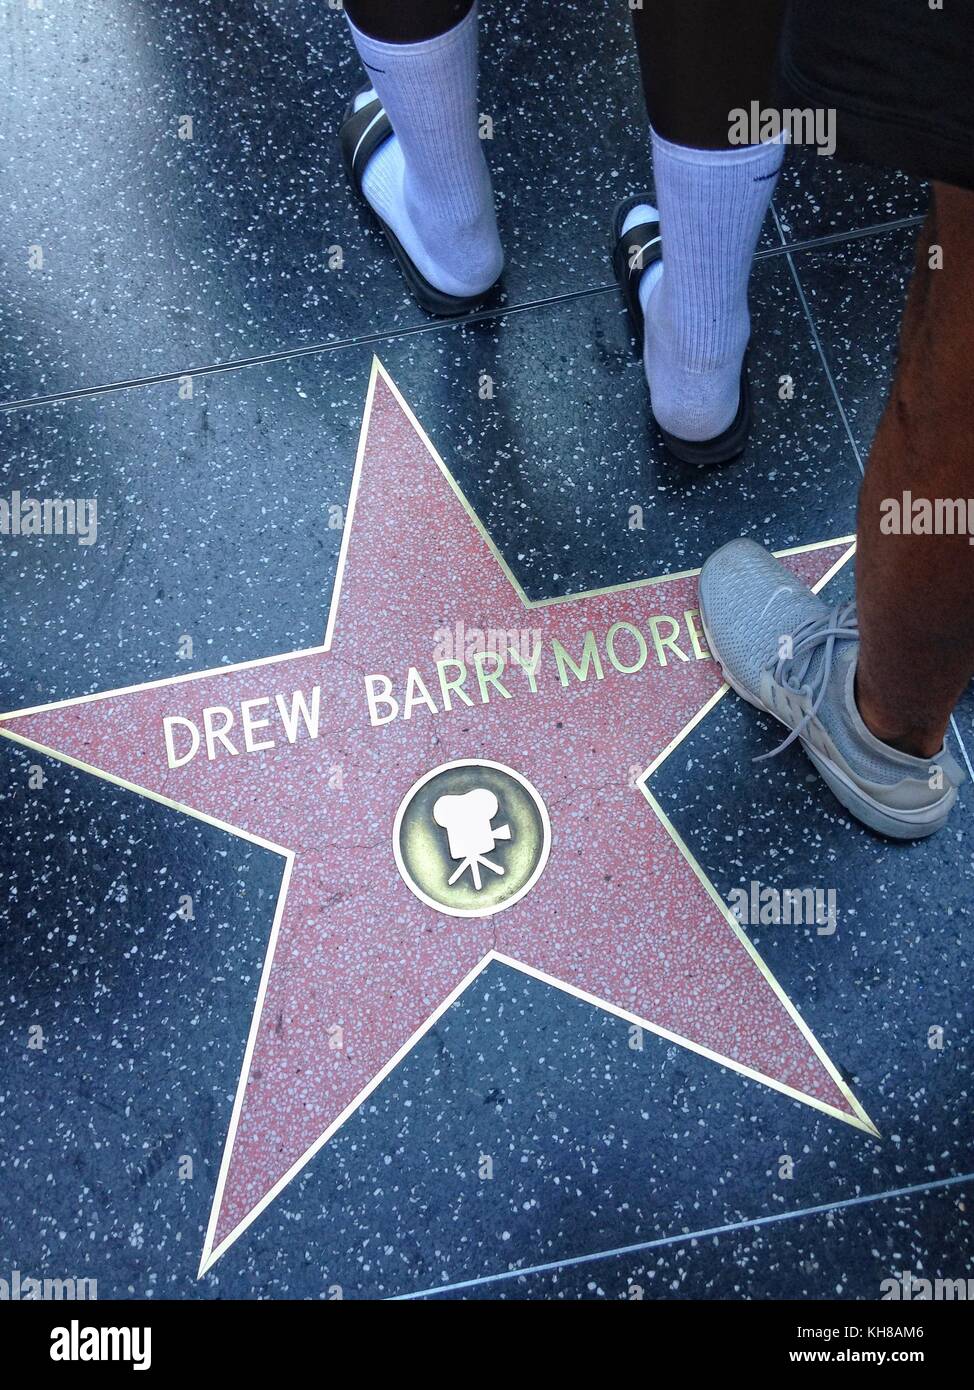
x,y
789,673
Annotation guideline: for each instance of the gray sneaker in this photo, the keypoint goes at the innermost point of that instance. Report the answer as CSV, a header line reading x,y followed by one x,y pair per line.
x,y
787,652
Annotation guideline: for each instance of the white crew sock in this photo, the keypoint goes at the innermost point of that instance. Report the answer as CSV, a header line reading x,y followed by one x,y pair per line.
x,y
429,181
711,206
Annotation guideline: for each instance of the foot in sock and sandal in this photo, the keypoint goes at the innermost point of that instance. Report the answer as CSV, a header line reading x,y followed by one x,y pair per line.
x,y
867,687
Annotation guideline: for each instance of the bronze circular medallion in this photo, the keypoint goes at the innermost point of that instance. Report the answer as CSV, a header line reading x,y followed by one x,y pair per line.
x,y
471,837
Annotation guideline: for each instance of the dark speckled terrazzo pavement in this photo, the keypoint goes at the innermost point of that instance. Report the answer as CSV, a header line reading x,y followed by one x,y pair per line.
x,y
165,259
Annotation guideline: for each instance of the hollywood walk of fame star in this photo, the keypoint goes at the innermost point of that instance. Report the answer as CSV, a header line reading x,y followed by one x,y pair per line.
x,y
315,755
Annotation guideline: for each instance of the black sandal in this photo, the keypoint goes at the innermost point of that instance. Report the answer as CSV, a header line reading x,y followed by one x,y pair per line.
x,y
632,253
361,134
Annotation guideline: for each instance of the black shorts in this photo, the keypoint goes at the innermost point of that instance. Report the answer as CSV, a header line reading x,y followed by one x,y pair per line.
x,y
899,75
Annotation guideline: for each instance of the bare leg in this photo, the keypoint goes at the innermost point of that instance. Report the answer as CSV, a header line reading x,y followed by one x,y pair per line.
x,y
701,59
406,21
916,593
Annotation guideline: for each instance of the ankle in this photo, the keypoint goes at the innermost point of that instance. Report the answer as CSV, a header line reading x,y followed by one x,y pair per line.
x,y
466,215
692,345
919,741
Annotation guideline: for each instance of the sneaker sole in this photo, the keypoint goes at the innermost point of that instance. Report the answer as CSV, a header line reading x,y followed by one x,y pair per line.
x,y
895,825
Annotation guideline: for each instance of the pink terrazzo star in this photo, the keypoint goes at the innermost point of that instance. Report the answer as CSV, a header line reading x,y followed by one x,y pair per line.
x,y
357,966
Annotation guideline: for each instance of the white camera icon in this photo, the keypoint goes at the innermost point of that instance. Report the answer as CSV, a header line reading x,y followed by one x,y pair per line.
x,y
466,820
